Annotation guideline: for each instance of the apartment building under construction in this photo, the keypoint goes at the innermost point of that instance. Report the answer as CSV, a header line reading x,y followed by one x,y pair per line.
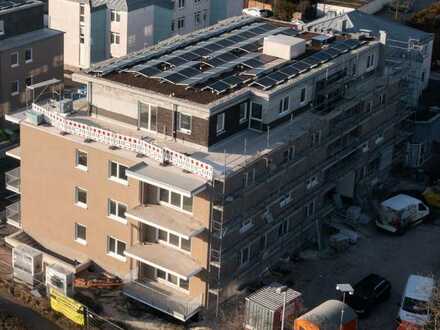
x,y
196,164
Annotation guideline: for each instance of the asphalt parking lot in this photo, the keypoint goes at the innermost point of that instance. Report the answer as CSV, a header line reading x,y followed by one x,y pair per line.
x,y
394,257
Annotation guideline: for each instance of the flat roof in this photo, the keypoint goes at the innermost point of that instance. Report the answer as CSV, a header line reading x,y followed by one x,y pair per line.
x,y
347,3
166,218
24,39
400,202
203,69
269,298
7,6
165,258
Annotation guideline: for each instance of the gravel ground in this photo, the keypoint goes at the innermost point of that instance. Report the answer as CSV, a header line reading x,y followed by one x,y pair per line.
x,y
394,257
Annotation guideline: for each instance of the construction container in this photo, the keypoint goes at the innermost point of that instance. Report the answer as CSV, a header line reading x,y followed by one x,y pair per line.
x,y
264,308
327,316
27,264
60,279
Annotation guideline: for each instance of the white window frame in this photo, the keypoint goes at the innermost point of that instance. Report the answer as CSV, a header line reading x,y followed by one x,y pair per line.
x,y
310,208
116,216
115,253
17,91
180,4
168,243
78,202
197,18
179,123
284,105
181,23
370,62
117,178
168,283
115,38
169,204
301,100
220,119
245,118
32,55
2,27
77,164
80,240
115,16
17,54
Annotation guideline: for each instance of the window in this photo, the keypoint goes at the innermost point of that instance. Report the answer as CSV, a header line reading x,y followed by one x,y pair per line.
x,y
118,172
174,240
243,112
205,15
173,25
369,106
312,182
15,87
147,117
175,199
115,16
80,233
244,255
181,4
81,197
310,208
303,95
81,160
81,9
28,55
370,61
220,123
382,99
184,123
116,210
316,138
284,105
180,23
14,59
2,27
197,17
283,228
115,38
172,280
115,248
81,34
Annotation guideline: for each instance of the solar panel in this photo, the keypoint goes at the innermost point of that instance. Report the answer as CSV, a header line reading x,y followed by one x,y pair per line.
x,y
341,47
201,51
236,38
332,52
300,66
311,61
265,82
219,87
352,43
247,34
253,47
212,47
225,42
174,78
227,57
189,56
232,81
289,71
321,57
253,63
290,33
214,62
267,27
189,72
149,71
176,61
279,77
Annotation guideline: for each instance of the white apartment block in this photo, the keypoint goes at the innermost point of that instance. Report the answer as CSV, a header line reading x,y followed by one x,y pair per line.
x,y
95,30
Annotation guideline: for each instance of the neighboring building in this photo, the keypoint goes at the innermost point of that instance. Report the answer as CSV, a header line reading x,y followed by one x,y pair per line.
x,y
345,6
29,52
405,46
262,4
96,30
202,160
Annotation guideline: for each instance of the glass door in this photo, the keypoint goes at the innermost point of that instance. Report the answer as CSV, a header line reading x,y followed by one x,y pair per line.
x,y
256,117
147,117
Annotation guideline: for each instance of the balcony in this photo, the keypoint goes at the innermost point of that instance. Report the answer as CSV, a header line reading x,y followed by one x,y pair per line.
x,y
14,153
12,179
13,214
163,298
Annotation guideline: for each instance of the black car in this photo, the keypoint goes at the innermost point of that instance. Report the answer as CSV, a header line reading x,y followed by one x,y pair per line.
x,y
368,292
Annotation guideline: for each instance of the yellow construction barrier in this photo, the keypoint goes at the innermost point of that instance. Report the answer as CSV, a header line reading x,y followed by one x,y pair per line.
x,y
70,308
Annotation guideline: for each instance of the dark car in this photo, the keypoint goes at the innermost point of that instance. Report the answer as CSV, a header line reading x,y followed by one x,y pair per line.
x,y
368,292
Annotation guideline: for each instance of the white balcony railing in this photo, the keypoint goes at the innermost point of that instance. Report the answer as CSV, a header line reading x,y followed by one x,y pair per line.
x,y
12,179
13,214
181,308
158,153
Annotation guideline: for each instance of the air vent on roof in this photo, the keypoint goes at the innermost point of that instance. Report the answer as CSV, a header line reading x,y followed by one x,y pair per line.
x,y
285,47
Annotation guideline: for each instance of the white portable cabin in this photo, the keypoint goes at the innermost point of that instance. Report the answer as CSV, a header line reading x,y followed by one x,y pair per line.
x,y
59,278
27,264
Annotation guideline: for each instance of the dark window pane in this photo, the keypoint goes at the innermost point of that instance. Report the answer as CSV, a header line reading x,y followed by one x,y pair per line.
x,y
111,245
122,174
161,274
186,244
113,169
163,235
121,249
184,284
175,199
112,207
187,203
164,195
174,240
121,210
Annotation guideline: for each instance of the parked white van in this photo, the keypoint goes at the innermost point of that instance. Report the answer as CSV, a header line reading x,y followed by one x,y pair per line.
x,y
401,211
414,308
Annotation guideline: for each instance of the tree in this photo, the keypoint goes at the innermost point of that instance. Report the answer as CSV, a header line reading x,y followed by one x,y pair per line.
x,y
428,20
284,9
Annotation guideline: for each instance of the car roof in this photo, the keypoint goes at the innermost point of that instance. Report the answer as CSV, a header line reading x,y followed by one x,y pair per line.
x,y
400,202
368,283
419,287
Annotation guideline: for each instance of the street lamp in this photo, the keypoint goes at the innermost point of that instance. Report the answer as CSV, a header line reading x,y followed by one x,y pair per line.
x,y
282,289
344,288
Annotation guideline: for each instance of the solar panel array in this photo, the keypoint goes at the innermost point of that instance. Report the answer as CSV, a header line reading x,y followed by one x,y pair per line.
x,y
296,68
8,4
